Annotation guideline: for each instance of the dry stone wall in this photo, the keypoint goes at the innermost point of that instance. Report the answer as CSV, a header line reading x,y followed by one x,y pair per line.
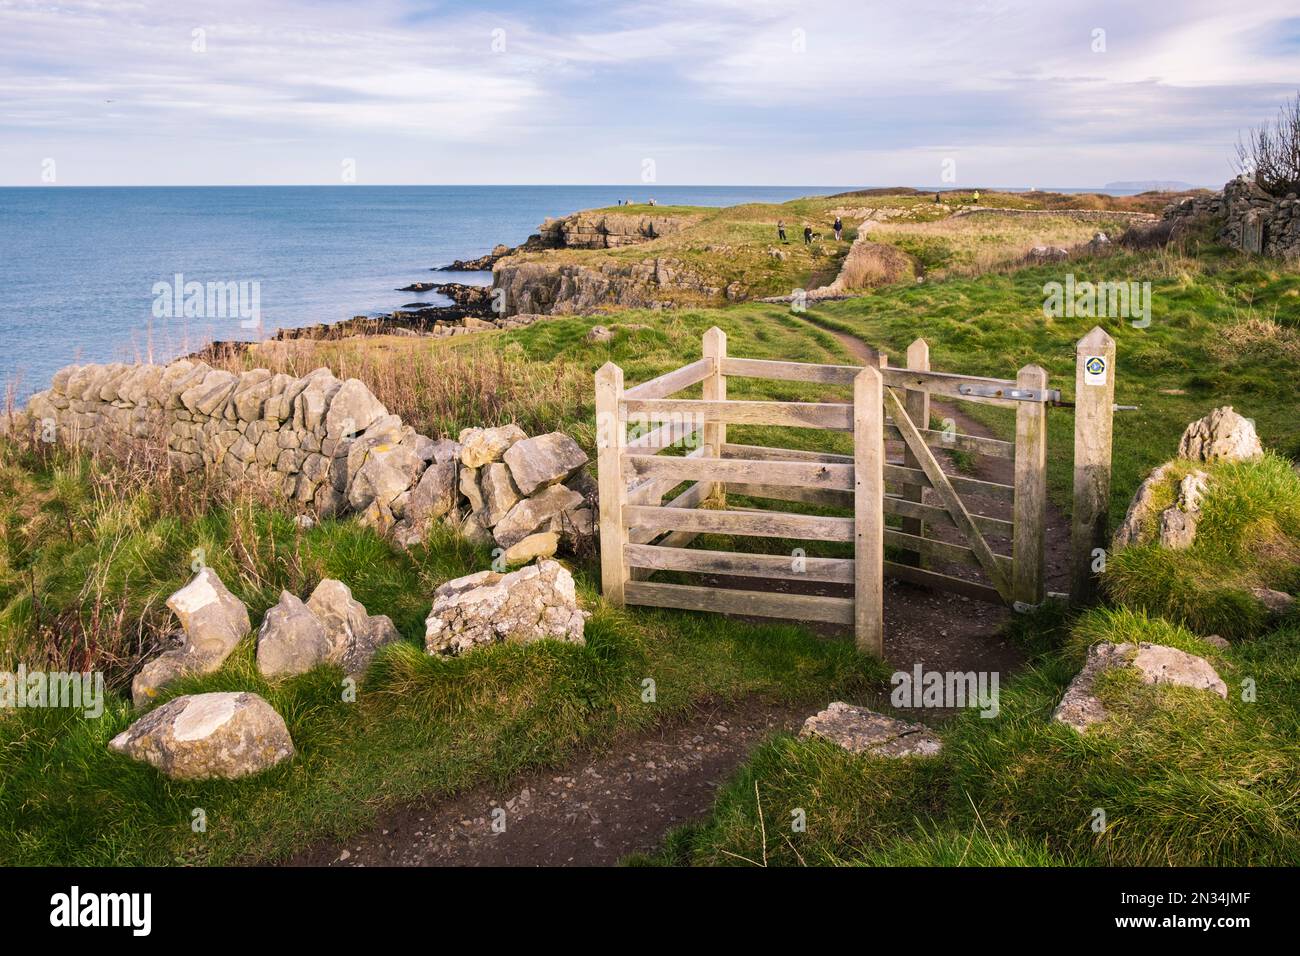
x,y
1253,220
332,447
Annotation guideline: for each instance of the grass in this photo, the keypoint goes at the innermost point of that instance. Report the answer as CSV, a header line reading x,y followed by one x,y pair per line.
x,y
1182,777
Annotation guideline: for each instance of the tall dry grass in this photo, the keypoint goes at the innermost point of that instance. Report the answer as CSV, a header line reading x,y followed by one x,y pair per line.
x,y
437,387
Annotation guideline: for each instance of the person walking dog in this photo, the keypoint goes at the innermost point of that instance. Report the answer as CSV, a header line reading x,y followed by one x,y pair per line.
x,y
807,235
780,230
839,229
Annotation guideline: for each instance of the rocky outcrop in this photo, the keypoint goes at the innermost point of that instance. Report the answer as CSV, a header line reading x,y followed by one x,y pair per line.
x,y
531,604
213,621
1222,435
205,736
607,230
1080,708
862,731
1250,219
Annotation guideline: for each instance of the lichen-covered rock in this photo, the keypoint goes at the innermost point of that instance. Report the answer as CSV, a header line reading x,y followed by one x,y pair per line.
x,y
214,622
499,492
1222,435
354,635
480,446
534,514
205,736
1173,526
544,544
862,731
545,460
291,640
1277,603
1080,707
535,602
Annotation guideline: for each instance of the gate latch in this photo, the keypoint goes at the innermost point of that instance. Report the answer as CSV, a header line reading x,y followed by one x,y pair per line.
x,y
1013,394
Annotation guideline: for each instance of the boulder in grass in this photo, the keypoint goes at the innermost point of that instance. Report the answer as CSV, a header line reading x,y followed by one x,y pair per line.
x,y
1080,707
214,622
354,635
206,736
545,460
291,640
533,603
862,731
1222,435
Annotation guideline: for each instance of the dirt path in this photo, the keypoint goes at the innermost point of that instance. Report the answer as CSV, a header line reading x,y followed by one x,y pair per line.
x,y
590,814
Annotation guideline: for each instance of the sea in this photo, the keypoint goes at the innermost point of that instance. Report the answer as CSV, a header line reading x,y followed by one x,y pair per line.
x,y
102,274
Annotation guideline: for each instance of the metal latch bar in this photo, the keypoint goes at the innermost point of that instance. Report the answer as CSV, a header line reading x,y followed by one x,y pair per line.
x,y
1011,394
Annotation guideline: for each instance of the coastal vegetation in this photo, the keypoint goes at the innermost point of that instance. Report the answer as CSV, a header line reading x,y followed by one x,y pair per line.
x,y
90,546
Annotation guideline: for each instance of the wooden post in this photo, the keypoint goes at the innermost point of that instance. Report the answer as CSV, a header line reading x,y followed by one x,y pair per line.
x,y
869,512
1094,410
1030,509
916,401
715,389
611,436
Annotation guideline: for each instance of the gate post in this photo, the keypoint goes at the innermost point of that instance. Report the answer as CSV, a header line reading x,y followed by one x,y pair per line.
x,y
1094,412
916,402
1029,511
611,436
869,511
715,390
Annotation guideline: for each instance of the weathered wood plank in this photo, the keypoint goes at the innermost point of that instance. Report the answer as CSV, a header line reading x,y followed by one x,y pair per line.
x,y
779,566
671,382
799,473
796,607
808,496
611,432
665,436
715,390
969,486
824,415
1030,508
933,514
1094,409
916,401
650,491
766,453
761,524
868,513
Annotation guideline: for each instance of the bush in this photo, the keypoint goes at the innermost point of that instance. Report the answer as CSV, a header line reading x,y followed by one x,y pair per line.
x,y
1271,153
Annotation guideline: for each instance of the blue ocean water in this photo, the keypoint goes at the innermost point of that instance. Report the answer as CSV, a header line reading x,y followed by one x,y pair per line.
x,y
78,266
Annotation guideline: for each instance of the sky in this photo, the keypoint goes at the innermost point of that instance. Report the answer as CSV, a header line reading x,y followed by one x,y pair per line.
x,y
746,92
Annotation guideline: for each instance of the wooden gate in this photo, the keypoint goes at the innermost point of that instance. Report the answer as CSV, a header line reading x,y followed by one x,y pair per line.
x,y
941,519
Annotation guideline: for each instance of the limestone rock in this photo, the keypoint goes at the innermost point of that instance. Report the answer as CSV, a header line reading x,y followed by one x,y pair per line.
x,y
352,410
205,736
541,545
353,634
1221,435
1175,526
599,333
862,731
533,514
533,603
479,446
386,472
291,640
469,487
214,622
499,491
1080,708
545,460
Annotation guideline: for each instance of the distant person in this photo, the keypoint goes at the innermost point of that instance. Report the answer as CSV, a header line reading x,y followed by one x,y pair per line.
x,y
780,230
839,229
807,235
977,196
936,198
650,201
